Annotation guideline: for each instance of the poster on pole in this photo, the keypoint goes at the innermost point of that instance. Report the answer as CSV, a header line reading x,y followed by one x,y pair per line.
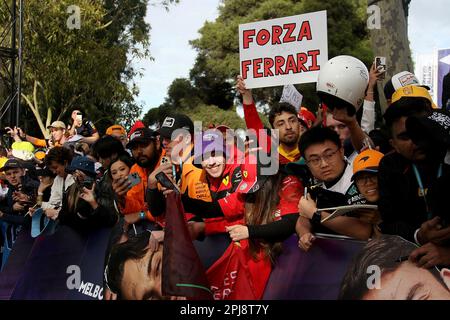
x,y
278,52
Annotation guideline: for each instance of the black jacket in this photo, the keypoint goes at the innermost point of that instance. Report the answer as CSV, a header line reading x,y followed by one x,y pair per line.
x,y
29,187
402,209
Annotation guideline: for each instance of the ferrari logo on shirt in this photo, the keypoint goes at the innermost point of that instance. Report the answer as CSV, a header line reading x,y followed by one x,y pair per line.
x,y
245,173
226,180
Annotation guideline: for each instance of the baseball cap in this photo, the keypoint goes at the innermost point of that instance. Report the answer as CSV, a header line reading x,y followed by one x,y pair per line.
x,y
172,123
83,164
399,80
141,135
23,150
410,91
210,141
367,161
304,115
116,129
11,164
436,126
57,125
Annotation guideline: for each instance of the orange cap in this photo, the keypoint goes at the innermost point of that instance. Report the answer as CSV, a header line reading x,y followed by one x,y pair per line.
x,y
116,129
367,161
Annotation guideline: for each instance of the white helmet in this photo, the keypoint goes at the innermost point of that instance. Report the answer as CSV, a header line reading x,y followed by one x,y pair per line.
x,y
345,78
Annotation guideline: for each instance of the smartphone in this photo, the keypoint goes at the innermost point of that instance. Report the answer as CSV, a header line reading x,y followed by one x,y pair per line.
x,y
165,160
134,179
164,180
380,65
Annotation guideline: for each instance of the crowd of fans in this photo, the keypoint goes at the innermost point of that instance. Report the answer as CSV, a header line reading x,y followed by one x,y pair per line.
x,y
337,157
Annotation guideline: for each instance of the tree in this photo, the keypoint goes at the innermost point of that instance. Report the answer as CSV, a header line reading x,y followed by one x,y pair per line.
x,y
391,39
211,89
219,44
87,68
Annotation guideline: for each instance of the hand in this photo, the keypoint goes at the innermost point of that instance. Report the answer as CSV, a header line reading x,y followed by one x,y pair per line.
x,y
52,213
245,93
238,232
307,206
196,229
132,218
155,239
108,295
88,195
374,76
121,186
431,230
431,255
166,168
305,241
31,211
45,183
12,132
18,207
341,114
20,196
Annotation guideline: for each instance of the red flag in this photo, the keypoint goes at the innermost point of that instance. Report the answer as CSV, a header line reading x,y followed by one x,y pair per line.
x,y
236,276
183,273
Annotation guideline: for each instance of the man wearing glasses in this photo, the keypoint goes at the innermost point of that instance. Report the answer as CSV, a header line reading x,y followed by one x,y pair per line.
x,y
324,156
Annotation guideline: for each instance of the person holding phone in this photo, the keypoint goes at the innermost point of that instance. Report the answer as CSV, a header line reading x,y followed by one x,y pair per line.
x,y
83,127
146,150
13,209
81,208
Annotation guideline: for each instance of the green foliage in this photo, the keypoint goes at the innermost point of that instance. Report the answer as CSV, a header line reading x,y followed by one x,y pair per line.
x,y
88,68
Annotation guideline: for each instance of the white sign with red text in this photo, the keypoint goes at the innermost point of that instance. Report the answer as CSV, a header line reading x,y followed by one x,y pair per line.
x,y
283,51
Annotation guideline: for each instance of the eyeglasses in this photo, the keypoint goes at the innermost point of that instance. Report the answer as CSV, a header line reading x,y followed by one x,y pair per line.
x,y
363,179
316,160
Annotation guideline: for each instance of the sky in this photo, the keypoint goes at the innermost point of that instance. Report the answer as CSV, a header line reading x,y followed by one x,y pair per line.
x,y
429,28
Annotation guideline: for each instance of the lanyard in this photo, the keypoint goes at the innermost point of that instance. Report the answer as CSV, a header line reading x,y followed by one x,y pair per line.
x,y
422,189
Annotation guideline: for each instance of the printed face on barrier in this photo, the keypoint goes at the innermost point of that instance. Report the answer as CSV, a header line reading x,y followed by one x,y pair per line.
x,y
142,278
408,282
325,161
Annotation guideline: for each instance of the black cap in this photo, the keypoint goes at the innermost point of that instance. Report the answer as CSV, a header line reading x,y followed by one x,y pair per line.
x,y
172,123
83,164
11,164
141,135
435,126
